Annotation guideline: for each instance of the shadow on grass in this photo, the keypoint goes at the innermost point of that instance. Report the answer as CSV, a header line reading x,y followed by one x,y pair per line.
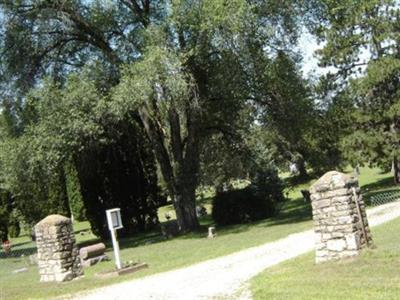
x,y
293,212
378,185
21,243
293,181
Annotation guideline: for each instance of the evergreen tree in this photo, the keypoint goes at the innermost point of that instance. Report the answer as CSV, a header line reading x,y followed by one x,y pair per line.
x,y
363,43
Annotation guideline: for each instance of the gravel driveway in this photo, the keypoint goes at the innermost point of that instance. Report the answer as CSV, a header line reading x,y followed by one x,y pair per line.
x,y
224,277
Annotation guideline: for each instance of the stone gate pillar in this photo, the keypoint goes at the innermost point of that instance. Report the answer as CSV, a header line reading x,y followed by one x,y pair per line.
x,y
340,225
58,257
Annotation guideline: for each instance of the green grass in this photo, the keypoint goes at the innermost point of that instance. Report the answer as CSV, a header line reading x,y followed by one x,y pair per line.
x,y
164,255
373,275
160,254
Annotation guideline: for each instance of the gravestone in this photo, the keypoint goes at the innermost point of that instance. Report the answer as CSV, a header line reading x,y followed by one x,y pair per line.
x,y
340,220
211,232
201,211
170,229
93,254
57,254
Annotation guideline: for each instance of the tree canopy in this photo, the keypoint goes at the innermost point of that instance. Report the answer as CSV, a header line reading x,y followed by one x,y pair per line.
x,y
99,96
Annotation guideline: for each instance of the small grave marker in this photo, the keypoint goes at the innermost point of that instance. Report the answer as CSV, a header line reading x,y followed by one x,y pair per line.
x,y
211,232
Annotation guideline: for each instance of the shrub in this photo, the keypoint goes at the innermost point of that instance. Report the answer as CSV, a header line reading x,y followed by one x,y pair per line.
x,y
255,202
74,193
240,206
14,230
15,222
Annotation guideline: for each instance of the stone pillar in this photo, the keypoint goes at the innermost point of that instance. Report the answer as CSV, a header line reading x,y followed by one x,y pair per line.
x,y
58,257
340,232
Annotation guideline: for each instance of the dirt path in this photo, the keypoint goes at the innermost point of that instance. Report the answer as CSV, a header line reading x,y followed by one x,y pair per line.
x,y
224,277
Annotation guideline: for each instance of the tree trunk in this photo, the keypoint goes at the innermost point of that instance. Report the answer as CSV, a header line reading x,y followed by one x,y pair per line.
x,y
179,167
3,232
302,168
185,193
396,170
185,207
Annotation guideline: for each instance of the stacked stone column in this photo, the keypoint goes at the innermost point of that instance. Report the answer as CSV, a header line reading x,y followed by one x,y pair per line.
x,y
340,231
58,256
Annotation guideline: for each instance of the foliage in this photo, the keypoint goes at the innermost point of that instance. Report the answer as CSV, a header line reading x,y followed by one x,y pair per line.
x,y
255,202
75,199
104,186
14,229
291,125
4,215
376,131
71,127
333,121
362,42
187,68
63,118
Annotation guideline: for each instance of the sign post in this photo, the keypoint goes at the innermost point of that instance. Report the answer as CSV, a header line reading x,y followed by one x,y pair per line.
x,y
114,223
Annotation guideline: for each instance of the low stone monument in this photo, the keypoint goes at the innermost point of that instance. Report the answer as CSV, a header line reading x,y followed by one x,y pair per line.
x,y
93,254
340,220
57,254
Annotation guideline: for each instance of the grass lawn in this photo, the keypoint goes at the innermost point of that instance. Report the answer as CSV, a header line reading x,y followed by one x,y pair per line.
x,y
373,275
164,255
160,254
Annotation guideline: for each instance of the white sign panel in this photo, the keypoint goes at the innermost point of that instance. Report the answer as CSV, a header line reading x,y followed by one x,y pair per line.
x,y
114,219
114,223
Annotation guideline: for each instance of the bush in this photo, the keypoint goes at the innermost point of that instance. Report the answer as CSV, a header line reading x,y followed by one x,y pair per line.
x,y
14,225
74,192
242,206
14,230
255,202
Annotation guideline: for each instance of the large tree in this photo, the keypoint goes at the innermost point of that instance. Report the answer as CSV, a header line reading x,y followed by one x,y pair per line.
x,y
194,80
189,73
55,38
363,44
286,109
114,164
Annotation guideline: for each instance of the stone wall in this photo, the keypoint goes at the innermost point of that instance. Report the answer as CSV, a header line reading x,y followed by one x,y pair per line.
x,y
338,227
58,258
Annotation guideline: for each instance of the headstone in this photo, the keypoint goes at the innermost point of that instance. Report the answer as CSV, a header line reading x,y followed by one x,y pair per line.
x,y
340,220
92,254
57,255
170,228
211,232
201,211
